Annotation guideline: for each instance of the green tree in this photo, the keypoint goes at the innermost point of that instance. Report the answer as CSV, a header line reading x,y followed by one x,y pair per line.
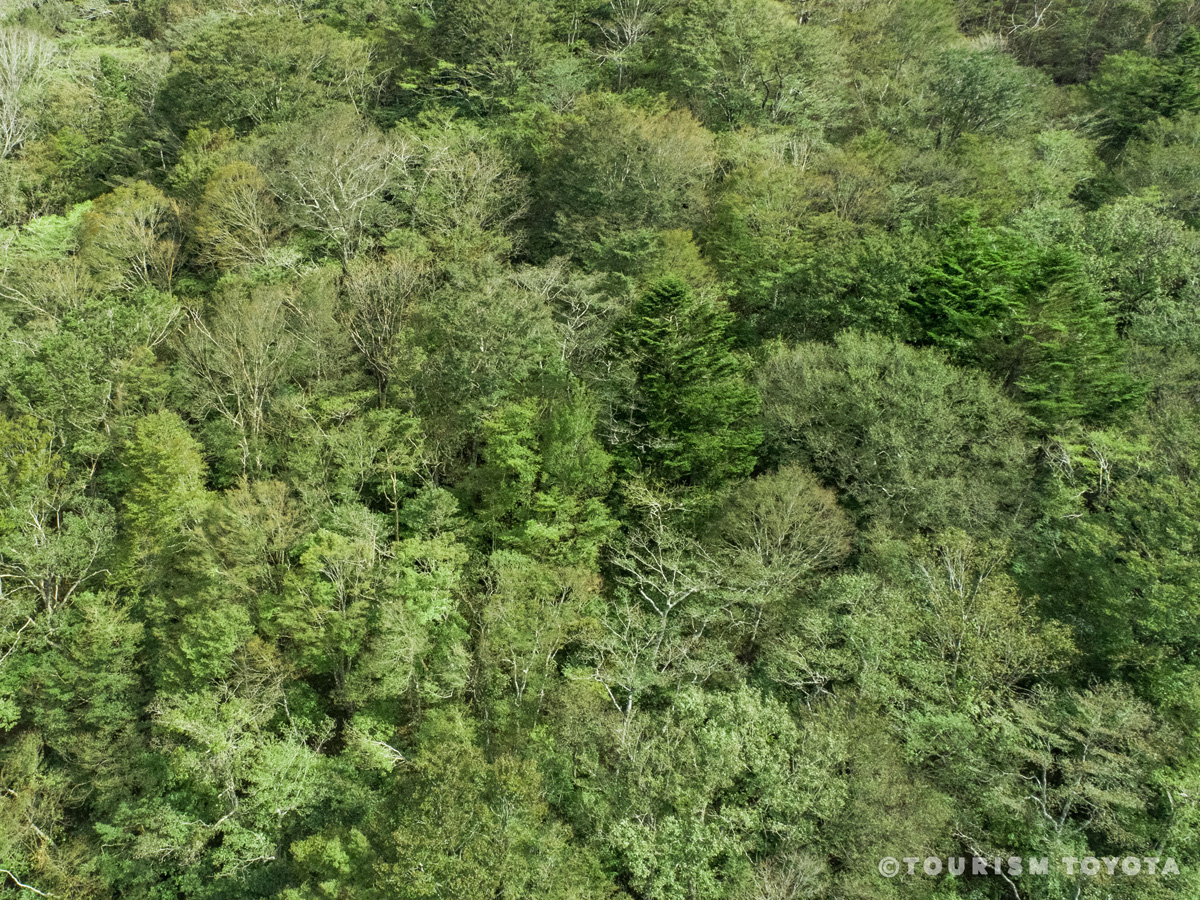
x,y
1129,91
616,169
243,71
1029,315
979,93
542,483
748,62
907,438
492,49
457,821
416,644
192,624
686,413
237,220
131,238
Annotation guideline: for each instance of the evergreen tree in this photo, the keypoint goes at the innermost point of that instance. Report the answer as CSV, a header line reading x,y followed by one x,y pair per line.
x,y
1030,316
1185,90
687,415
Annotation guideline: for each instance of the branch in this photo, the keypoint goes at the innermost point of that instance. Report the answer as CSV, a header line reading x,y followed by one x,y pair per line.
x,y
27,887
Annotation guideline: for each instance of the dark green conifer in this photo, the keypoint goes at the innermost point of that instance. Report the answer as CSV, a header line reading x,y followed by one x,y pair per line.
x,y
688,416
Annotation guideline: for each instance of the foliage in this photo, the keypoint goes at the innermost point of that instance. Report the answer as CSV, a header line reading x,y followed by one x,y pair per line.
x,y
624,449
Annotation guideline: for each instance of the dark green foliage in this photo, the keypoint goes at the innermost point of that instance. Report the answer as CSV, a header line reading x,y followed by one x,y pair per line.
x,y
1028,315
687,416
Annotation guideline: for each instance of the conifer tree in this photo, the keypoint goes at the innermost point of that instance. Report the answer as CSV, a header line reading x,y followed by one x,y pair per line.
x,y
1031,317
688,414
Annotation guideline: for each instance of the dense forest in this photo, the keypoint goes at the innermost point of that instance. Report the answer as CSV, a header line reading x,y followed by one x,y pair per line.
x,y
579,449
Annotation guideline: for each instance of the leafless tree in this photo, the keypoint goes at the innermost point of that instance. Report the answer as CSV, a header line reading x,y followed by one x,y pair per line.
x,y
337,172
25,59
627,25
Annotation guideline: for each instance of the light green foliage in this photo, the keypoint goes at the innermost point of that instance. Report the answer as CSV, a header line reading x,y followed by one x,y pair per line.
x,y
698,791
130,239
528,612
243,71
542,483
419,636
475,826
333,170
909,439
1130,90
53,538
617,169
1165,159
979,93
193,626
597,449
748,62
328,597
773,537
238,356
1085,756
1144,262
490,50
166,494
236,222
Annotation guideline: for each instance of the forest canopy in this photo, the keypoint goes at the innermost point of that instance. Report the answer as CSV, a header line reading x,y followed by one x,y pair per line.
x,y
580,449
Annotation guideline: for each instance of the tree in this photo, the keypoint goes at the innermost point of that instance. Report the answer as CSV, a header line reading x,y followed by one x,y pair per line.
x,y
488,340
686,414
624,29
907,439
418,641
495,48
1083,753
192,623
747,62
1143,259
469,191
618,169
381,301
541,486
166,495
238,356
1129,91
248,780
979,93
237,220
986,637
712,782
1164,162
25,62
330,598
334,173
84,693
459,822
252,69
1113,559
1030,316
528,612
772,535
131,238
1072,43
54,539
